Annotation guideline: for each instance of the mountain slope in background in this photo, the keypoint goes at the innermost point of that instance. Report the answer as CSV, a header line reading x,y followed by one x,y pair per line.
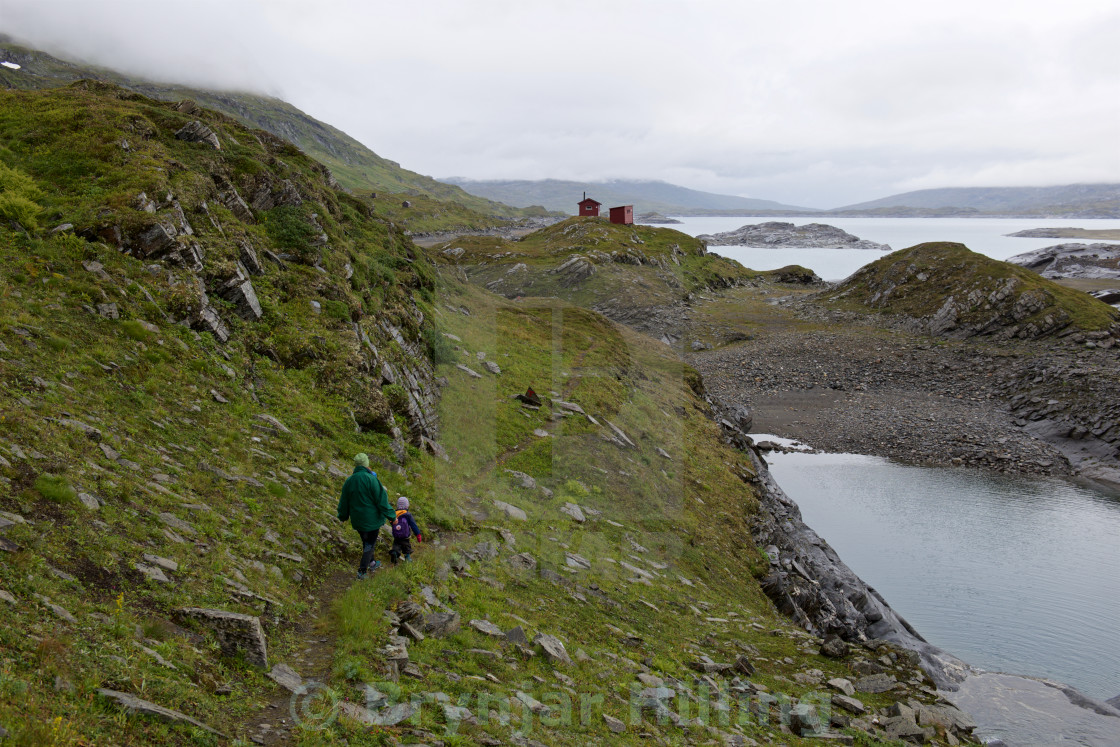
x,y
1071,200
645,196
353,164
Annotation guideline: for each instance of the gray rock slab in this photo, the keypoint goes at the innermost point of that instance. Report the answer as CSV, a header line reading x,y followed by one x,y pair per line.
x,y
523,560
469,371
511,511
152,573
849,704
577,561
487,628
142,707
286,677
61,612
574,512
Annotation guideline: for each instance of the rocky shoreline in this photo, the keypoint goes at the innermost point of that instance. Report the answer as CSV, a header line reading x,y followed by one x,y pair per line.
x,y
777,234
894,396
1097,261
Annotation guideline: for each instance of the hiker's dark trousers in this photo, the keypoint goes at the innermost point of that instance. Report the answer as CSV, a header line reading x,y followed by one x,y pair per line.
x,y
369,544
401,546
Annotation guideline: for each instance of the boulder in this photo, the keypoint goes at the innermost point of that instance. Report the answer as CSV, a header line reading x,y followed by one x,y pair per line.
x,y
617,726
553,649
875,683
573,511
511,511
804,721
440,624
843,685
236,632
517,636
834,647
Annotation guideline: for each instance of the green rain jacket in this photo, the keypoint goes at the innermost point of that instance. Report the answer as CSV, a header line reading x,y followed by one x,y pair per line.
x,y
364,501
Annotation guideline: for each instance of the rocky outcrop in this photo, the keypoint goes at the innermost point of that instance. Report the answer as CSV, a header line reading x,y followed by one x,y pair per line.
x,y
238,290
196,132
1097,261
777,234
946,290
236,633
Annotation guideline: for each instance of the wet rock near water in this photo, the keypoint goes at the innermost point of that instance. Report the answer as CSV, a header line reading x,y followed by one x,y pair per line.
x,y
1074,260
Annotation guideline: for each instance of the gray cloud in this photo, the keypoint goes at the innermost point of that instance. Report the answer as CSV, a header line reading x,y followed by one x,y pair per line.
x,y
810,102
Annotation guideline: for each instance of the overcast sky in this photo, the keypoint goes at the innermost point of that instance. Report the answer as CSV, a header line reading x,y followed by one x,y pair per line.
x,y
811,102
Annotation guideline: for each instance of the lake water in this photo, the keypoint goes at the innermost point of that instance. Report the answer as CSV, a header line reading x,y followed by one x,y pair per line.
x,y
1018,575
984,235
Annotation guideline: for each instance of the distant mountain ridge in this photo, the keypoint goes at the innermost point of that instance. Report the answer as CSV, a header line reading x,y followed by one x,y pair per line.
x,y
647,196
1071,200
353,164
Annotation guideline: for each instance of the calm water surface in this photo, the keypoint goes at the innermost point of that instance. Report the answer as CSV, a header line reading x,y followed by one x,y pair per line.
x,y
1009,574
984,235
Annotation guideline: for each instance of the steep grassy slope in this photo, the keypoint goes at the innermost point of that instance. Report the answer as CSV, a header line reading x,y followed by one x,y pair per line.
x,y
126,433
950,290
623,530
148,466
354,165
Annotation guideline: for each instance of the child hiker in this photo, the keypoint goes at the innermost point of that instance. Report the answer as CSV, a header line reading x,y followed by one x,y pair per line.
x,y
403,527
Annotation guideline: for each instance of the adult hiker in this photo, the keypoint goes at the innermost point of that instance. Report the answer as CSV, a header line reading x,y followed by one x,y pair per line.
x,y
366,503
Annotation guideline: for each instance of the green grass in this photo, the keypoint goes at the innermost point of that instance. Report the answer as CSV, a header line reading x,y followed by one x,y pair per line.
x,y
155,398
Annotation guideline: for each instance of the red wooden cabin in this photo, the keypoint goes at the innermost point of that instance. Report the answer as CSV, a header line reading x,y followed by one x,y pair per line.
x,y
623,214
589,207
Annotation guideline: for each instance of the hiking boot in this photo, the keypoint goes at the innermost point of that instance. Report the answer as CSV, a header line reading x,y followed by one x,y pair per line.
x,y
375,565
361,576
408,558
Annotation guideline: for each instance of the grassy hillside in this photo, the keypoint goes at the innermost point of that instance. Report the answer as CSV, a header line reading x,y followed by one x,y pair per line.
x,y
957,292
147,466
353,164
641,276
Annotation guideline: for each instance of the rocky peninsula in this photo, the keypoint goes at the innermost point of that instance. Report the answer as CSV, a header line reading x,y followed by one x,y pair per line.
x,y
1097,261
778,234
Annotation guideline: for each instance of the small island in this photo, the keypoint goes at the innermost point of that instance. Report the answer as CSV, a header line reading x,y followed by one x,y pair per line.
x,y
780,235
1069,233
656,218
